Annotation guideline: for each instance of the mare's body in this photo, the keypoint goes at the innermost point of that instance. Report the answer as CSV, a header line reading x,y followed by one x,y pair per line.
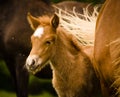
x,y
15,35
107,48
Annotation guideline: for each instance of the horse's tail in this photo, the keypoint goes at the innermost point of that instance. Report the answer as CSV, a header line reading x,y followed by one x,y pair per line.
x,y
82,26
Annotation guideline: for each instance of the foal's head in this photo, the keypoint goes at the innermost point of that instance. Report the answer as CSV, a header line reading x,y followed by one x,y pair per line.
x,y
43,40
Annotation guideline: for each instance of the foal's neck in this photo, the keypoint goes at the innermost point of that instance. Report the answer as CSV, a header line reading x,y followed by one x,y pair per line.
x,y
66,55
65,52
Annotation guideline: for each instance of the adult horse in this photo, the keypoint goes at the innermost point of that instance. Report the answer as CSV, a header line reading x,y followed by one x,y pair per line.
x,y
14,38
107,48
73,73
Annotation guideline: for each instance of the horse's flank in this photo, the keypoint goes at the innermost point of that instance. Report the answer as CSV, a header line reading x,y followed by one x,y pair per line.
x,y
107,50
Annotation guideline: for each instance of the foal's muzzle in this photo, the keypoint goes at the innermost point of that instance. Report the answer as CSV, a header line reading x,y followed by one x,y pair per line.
x,y
32,63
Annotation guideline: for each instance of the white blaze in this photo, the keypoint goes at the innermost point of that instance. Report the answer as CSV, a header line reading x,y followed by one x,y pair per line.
x,y
38,32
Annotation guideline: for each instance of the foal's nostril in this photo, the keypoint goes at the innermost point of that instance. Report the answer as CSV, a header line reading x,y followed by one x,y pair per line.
x,y
32,63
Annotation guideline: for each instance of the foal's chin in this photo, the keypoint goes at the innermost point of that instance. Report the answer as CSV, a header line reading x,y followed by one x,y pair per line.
x,y
36,69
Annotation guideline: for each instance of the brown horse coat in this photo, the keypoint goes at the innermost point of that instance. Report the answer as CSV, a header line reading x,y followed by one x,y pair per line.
x,y
107,48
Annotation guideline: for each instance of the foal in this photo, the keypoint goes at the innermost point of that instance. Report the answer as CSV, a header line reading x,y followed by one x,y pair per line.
x,y
73,74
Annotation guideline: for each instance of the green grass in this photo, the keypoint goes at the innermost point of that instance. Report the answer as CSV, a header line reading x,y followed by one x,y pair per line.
x,y
7,94
44,94
12,94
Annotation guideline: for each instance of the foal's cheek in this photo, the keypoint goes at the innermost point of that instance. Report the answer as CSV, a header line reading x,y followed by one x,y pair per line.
x,y
47,51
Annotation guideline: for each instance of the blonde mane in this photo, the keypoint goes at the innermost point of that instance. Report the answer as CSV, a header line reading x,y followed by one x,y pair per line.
x,y
82,26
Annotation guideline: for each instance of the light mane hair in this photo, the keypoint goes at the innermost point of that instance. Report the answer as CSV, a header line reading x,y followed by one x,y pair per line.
x,y
82,26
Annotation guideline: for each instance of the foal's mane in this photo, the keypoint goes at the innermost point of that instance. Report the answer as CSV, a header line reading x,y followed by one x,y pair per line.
x,y
81,26
68,39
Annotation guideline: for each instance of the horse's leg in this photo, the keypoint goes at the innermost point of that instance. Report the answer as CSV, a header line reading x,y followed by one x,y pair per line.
x,y
20,76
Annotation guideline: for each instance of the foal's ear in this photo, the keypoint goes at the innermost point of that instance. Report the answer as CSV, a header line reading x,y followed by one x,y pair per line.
x,y
55,21
33,21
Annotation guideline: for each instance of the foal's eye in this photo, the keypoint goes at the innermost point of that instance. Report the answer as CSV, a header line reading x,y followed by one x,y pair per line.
x,y
48,42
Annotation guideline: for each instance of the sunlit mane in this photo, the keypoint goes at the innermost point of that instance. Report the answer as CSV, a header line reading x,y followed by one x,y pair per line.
x,y
81,26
